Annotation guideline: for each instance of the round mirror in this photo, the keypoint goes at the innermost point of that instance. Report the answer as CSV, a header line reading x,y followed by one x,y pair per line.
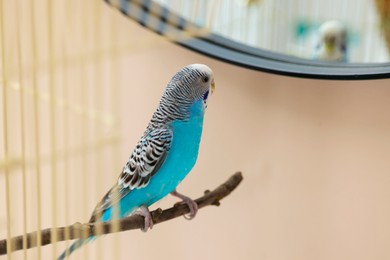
x,y
304,38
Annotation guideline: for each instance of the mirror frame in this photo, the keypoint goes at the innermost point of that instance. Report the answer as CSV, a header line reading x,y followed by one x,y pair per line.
x,y
179,30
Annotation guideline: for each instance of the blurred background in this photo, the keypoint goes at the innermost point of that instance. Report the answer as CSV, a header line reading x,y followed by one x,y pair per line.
x,y
79,83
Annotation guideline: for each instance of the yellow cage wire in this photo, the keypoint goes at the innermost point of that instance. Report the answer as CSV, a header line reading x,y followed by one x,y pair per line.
x,y
59,111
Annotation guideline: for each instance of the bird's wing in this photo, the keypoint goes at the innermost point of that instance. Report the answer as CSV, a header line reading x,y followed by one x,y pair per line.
x,y
144,162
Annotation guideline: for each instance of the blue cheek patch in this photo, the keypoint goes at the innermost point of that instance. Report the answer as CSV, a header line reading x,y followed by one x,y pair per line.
x,y
205,96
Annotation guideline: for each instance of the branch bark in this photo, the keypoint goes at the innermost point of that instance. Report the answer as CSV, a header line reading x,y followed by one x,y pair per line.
x,y
85,230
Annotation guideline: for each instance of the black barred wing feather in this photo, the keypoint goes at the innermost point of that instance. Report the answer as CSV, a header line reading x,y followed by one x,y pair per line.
x,y
144,162
146,159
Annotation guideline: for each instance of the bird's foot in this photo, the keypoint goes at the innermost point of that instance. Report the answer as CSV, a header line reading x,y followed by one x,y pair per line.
x,y
144,211
190,203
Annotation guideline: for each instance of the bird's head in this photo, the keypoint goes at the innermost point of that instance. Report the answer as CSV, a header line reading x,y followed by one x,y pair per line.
x,y
334,36
193,83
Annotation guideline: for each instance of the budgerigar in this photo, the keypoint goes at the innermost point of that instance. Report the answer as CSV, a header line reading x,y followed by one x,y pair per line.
x,y
332,45
164,155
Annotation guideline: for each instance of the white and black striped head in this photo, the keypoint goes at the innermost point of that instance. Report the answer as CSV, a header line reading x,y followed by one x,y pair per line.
x,y
193,83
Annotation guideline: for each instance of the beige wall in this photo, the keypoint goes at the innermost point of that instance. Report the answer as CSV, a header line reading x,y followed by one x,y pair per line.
x,y
314,155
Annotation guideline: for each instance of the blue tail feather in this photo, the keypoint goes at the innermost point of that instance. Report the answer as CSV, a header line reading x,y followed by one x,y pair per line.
x,y
74,246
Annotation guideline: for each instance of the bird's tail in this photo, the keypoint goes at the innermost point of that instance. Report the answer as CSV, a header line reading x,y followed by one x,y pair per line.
x,y
74,246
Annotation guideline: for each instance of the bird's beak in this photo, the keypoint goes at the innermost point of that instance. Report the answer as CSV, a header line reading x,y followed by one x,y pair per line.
x,y
330,44
329,47
212,86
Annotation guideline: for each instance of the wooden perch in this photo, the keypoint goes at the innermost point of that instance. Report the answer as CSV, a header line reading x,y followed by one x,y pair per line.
x,y
79,230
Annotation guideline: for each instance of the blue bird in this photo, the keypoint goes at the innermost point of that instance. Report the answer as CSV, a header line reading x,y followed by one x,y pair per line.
x,y
164,155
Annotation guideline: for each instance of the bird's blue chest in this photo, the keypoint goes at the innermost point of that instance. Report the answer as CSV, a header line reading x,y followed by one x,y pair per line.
x,y
185,144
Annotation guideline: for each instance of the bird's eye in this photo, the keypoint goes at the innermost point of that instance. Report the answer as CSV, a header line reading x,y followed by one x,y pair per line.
x,y
205,79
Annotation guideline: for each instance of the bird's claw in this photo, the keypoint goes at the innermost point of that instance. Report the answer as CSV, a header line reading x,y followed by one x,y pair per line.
x,y
192,205
193,209
144,211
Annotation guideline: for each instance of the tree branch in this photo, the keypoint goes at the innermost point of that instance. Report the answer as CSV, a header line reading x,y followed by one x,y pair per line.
x,y
79,230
